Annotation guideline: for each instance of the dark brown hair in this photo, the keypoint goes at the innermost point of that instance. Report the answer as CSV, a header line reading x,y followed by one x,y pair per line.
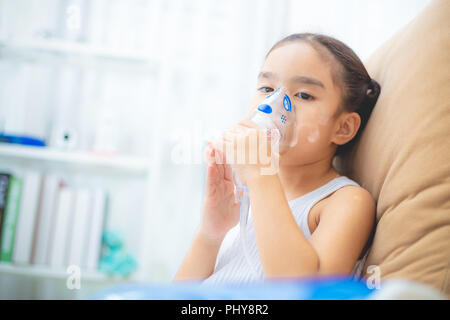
x,y
359,91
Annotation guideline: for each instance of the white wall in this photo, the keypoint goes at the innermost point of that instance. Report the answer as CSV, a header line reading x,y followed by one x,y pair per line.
x,y
362,24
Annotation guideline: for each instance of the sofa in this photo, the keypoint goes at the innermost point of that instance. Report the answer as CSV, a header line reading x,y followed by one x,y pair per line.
x,y
403,156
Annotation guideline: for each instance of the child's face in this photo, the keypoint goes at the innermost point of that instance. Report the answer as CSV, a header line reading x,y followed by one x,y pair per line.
x,y
307,77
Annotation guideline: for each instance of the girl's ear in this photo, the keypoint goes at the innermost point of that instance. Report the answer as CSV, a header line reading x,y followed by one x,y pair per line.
x,y
346,128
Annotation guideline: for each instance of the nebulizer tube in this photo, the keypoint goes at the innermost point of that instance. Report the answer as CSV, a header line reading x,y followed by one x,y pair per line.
x,y
276,115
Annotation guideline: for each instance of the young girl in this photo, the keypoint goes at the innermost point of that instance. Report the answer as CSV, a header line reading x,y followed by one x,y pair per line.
x,y
305,220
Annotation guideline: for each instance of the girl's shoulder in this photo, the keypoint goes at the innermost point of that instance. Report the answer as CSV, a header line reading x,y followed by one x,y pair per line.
x,y
349,205
351,198
350,201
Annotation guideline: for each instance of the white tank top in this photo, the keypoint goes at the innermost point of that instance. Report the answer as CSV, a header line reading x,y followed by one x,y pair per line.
x,y
231,263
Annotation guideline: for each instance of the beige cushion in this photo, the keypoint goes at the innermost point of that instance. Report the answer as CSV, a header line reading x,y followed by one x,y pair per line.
x,y
403,156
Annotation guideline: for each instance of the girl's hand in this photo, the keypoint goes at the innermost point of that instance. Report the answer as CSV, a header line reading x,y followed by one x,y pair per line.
x,y
220,212
249,150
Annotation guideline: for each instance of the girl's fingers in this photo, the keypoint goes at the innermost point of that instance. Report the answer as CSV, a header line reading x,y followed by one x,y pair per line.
x,y
234,129
248,123
213,172
224,167
211,178
231,135
214,155
228,172
209,155
229,147
219,156
219,163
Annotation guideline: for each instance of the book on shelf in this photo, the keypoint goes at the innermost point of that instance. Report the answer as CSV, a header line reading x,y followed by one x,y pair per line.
x,y
85,234
59,242
79,233
74,227
45,218
10,218
99,210
4,184
46,221
27,217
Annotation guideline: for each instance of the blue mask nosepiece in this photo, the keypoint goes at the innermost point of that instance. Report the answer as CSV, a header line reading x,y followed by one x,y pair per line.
x,y
265,108
277,112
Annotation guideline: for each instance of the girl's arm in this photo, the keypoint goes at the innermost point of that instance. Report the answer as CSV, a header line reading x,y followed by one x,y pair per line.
x,y
200,259
333,248
220,214
283,249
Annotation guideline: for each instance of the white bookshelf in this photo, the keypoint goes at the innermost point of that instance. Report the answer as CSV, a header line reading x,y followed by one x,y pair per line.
x,y
46,282
75,49
41,282
47,272
46,157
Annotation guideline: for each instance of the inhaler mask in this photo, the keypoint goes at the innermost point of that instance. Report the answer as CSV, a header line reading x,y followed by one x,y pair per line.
x,y
276,114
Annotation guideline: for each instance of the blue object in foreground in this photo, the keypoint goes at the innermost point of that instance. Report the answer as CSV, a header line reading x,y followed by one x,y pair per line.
x,y
342,288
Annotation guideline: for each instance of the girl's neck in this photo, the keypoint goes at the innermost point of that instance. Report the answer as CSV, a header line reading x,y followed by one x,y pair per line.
x,y
299,180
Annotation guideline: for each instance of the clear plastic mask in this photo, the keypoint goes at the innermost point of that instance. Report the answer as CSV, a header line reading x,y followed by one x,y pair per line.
x,y
277,112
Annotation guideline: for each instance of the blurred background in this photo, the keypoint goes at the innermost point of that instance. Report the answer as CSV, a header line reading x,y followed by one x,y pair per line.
x,y
105,110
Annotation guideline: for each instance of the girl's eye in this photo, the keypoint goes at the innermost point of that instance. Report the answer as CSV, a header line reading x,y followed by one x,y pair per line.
x,y
305,96
265,89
